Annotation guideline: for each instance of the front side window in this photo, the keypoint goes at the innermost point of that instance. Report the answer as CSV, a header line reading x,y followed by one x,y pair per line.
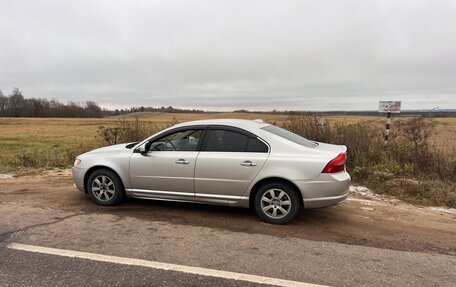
x,y
179,141
230,141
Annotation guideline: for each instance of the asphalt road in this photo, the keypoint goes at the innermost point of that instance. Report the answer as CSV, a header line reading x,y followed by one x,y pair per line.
x,y
420,250
20,268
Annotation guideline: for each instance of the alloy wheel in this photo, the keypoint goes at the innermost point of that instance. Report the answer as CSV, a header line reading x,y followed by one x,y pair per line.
x,y
275,203
103,188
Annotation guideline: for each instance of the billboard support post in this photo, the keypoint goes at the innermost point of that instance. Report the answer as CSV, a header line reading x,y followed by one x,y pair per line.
x,y
389,107
387,130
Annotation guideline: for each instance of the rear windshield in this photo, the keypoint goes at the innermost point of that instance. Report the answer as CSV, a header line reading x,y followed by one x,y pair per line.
x,y
290,136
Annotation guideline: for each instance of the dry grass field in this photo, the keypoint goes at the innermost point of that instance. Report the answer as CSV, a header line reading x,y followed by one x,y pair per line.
x,y
443,133
62,137
29,145
57,137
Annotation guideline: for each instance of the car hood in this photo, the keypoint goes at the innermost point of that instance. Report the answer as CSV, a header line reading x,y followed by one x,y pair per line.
x,y
108,149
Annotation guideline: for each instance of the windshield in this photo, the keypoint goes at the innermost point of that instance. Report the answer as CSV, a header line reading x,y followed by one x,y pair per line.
x,y
290,136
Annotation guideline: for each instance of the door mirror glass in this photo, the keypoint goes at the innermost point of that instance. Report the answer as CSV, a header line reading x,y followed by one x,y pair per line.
x,y
144,149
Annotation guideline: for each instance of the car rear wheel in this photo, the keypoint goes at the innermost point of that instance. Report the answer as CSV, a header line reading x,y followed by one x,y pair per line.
x,y
105,187
276,203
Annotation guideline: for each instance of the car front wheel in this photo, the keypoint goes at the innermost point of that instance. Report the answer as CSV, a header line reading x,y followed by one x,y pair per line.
x,y
276,203
105,187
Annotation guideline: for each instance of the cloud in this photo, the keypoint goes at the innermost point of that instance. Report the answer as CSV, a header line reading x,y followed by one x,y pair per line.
x,y
312,55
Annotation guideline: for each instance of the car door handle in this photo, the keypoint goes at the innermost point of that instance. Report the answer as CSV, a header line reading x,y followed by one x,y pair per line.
x,y
182,161
248,163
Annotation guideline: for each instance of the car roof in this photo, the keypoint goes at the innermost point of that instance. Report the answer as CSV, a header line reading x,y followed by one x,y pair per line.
x,y
246,124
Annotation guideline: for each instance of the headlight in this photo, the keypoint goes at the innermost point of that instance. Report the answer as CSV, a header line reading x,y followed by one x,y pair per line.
x,y
77,162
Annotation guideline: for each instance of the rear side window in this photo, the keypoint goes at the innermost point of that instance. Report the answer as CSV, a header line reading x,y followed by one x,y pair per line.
x,y
255,145
230,141
227,141
290,136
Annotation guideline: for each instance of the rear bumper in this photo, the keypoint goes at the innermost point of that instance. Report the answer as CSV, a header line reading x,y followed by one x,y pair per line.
x,y
324,201
325,190
78,177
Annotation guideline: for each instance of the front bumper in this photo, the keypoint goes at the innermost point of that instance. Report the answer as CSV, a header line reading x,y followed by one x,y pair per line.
x,y
78,177
325,190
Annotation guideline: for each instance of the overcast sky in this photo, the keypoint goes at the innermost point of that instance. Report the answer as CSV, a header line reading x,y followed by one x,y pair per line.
x,y
225,55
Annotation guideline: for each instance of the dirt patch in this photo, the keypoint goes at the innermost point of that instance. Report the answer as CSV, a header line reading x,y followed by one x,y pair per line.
x,y
364,219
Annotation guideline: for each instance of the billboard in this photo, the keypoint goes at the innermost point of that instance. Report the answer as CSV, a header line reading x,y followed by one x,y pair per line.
x,y
389,107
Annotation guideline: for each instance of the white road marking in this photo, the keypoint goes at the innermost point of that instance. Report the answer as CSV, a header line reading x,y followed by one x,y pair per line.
x,y
160,265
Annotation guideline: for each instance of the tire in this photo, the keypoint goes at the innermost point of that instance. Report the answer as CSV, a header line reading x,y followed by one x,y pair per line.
x,y
105,187
271,208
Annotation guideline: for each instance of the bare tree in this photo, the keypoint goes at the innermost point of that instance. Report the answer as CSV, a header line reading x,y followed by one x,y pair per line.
x,y
16,103
93,110
3,104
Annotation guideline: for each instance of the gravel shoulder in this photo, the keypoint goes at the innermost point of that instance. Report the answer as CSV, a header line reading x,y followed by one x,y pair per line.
x,y
364,219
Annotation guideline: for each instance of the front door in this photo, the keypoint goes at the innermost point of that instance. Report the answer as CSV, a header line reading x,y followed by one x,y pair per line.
x,y
168,167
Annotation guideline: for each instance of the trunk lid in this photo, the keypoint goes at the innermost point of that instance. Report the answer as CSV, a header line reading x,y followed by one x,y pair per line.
x,y
336,149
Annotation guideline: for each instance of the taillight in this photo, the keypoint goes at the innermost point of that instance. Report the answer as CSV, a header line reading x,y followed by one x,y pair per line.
x,y
335,165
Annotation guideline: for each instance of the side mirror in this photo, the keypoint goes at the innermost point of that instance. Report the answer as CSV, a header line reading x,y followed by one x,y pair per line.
x,y
144,149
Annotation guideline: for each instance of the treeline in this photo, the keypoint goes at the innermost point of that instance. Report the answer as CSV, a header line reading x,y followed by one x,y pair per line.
x,y
169,109
423,113
15,105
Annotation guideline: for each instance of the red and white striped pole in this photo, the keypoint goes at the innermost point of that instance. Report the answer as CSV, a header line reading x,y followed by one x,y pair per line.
x,y
387,130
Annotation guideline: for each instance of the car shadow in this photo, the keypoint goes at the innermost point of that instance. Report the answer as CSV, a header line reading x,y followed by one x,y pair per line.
x,y
310,223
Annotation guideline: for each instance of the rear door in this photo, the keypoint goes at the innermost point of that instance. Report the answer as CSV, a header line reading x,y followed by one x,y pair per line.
x,y
229,160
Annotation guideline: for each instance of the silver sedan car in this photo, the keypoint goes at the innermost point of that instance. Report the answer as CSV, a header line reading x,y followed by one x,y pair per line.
x,y
225,162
